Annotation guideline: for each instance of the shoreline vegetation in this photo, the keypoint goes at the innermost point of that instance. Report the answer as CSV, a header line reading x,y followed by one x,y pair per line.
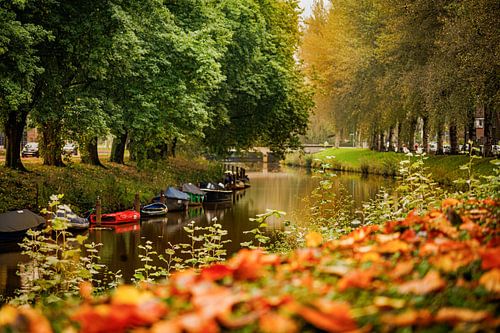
x,y
116,184
444,168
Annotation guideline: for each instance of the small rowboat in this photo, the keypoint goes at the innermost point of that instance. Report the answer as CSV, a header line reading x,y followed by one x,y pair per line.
x,y
154,209
125,216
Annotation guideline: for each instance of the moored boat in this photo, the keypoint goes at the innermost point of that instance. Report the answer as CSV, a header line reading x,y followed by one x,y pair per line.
x,y
216,193
154,209
125,216
15,224
174,199
196,195
74,221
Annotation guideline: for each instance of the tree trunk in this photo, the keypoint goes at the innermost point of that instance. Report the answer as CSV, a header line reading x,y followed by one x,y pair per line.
x,y
51,145
391,138
488,131
425,134
118,149
439,135
413,129
400,141
174,146
381,145
453,138
90,154
14,128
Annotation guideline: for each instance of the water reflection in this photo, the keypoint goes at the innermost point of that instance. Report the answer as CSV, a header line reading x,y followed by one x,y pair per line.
x,y
272,188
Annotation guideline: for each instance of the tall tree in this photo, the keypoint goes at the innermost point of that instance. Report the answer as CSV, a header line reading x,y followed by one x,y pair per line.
x,y
19,67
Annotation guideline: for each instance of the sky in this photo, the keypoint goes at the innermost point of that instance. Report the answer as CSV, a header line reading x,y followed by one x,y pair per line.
x,y
306,4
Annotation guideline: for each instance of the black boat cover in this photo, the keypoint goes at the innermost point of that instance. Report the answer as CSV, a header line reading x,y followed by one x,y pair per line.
x,y
174,193
191,188
20,220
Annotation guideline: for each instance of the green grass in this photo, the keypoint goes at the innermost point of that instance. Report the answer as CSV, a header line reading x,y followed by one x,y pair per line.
x,y
444,169
116,185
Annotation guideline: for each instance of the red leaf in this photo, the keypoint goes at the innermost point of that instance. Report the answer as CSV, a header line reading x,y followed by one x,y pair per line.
x,y
216,272
490,257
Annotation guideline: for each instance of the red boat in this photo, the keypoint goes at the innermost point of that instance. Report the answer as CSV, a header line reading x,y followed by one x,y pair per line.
x,y
126,216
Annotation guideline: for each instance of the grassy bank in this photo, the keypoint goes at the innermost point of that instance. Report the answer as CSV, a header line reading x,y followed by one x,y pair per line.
x,y
444,169
81,184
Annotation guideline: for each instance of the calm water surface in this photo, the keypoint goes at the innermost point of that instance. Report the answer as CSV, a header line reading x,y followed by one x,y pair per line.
x,y
272,188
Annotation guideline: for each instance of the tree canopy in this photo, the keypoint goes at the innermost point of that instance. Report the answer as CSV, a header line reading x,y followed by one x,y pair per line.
x,y
385,66
152,73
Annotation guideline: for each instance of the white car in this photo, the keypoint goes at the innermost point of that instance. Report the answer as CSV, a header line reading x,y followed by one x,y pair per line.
x,y
70,149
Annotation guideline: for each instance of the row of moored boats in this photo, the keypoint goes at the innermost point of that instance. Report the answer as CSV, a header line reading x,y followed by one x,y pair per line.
x,y
14,224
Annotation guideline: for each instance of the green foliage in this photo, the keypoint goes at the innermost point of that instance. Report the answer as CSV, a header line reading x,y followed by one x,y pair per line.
x,y
207,244
57,265
416,191
260,239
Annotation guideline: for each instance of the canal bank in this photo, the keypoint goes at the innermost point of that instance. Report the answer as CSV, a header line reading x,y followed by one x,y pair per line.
x,y
116,184
445,168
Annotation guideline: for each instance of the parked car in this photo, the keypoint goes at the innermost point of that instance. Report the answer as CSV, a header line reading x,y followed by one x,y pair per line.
x,y
70,149
30,149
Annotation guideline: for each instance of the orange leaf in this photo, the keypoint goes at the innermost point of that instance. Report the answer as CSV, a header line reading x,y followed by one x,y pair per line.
x,y
454,315
450,202
394,246
273,322
314,239
407,318
452,261
247,264
169,326
197,323
331,322
211,300
85,289
432,281
491,280
402,268
356,279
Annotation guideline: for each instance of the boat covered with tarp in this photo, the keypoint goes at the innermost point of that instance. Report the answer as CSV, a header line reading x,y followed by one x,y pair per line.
x,y
175,199
14,224
196,195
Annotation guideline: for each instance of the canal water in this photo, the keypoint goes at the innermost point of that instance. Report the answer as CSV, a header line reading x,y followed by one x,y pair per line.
x,y
272,187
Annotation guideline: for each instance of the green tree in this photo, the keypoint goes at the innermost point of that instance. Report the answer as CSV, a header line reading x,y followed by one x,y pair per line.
x,y
19,67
